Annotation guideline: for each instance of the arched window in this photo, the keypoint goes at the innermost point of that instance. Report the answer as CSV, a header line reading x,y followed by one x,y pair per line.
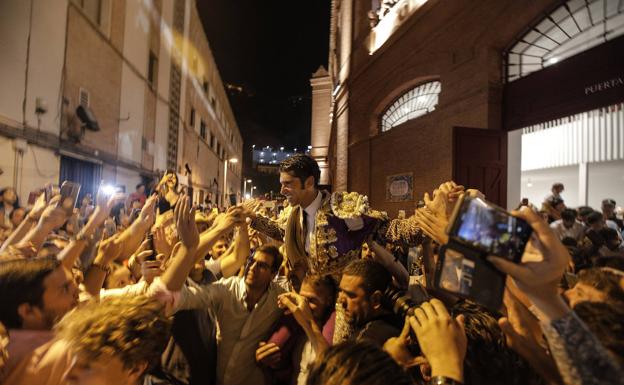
x,y
573,27
414,103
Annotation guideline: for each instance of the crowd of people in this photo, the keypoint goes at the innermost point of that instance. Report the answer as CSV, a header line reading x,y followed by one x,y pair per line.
x,y
317,289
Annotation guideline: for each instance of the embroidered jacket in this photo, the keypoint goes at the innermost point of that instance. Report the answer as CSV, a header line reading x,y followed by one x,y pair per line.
x,y
333,245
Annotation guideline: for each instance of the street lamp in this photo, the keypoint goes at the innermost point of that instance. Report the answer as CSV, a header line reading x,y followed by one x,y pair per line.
x,y
245,187
225,167
252,190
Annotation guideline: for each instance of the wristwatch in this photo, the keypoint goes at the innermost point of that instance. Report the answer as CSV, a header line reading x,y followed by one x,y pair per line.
x,y
441,380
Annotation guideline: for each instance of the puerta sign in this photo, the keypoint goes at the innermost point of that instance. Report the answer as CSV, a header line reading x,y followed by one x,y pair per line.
x,y
589,80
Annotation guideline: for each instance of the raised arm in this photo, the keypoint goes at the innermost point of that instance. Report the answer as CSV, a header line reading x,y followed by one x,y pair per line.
x,y
262,224
581,358
132,237
184,257
232,262
105,203
51,219
221,224
31,220
108,250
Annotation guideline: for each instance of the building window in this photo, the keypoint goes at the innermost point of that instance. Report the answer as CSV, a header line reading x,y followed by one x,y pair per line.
x,y
218,148
573,27
212,140
213,103
202,129
205,86
414,103
192,118
152,68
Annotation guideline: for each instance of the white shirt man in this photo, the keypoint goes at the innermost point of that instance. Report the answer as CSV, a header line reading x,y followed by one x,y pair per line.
x,y
565,229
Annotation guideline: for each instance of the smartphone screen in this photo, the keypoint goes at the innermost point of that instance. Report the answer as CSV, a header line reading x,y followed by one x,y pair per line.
x,y
69,195
462,272
490,229
456,273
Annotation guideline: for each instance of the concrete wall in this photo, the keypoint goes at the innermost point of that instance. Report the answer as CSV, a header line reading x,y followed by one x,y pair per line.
x,y
41,64
133,79
536,184
605,180
38,167
94,65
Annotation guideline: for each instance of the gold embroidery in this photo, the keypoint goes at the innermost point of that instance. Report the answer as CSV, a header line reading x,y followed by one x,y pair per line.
x,y
349,205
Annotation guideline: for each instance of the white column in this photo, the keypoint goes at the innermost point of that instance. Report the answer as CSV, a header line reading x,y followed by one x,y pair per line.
x,y
514,168
583,185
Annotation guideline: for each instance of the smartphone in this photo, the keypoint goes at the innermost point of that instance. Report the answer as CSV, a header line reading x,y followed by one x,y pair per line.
x,y
150,246
463,272
69,196
50,190
489,229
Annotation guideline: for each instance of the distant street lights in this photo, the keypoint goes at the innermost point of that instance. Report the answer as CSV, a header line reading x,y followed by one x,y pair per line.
x,y
245,188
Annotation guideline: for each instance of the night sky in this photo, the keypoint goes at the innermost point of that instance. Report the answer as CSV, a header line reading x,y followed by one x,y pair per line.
x,y
270,48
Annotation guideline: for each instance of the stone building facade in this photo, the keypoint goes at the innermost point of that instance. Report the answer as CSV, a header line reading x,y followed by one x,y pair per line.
x,y
145,72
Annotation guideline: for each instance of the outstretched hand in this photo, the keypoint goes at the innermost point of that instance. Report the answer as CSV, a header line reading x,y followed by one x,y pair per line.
x,y
543,263
298,306
185,223
53,216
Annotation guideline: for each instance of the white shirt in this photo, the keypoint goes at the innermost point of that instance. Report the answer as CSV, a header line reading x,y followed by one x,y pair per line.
x,y
308,355
576,231
353,224
311,219
240,331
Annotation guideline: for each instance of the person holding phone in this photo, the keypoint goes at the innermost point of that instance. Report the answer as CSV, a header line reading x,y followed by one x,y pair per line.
x,y
580,357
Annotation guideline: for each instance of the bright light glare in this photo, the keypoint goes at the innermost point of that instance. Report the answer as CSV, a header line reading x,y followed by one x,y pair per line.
x,y
108,189
553,60
247,196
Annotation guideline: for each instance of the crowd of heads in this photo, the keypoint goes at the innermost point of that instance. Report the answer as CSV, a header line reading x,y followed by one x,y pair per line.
x,y
86,277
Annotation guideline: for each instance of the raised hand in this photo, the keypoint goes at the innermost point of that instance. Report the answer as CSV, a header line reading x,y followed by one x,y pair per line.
x,y
544,261
185,223
250,207
38,208
161,243
235,215
434,226
147,216
397,348
441,338
151,269
109,250
298,306
104,203
53,217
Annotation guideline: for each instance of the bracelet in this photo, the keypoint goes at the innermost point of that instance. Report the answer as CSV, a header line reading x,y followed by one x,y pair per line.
x,y
105,268
441,380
